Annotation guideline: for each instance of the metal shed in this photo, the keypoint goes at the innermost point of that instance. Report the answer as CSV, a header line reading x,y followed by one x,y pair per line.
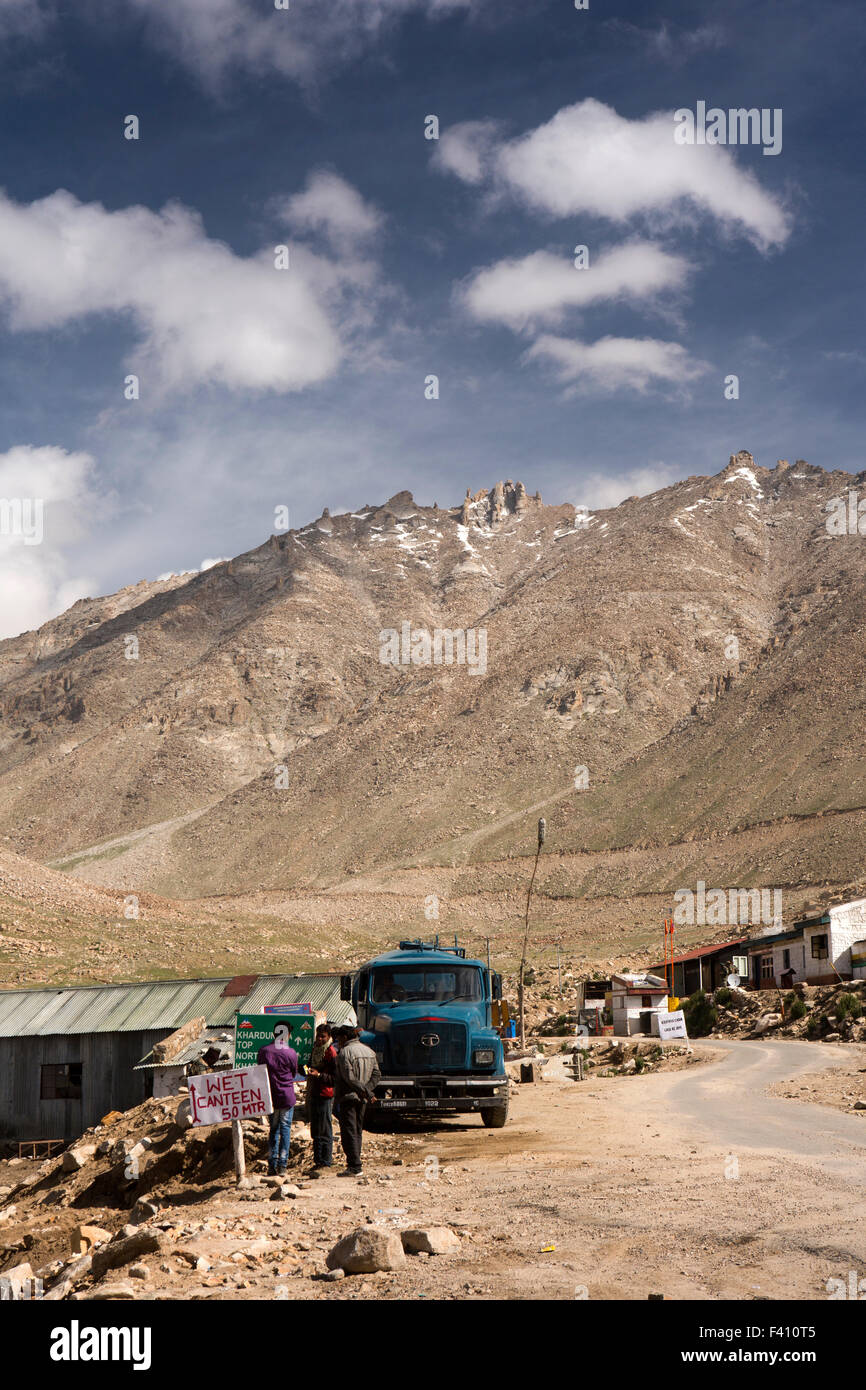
x,y
68,1056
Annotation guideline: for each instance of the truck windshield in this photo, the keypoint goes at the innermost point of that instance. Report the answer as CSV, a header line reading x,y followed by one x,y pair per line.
x,y
419,984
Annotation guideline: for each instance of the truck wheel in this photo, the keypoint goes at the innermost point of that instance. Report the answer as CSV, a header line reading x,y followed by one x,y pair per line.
x,y
495,1116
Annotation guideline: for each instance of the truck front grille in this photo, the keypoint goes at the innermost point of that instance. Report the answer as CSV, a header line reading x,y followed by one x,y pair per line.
x,y
410,1054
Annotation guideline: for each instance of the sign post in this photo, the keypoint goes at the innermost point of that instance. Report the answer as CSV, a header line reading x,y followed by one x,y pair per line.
x,y
240,1094
673,1025
238,1153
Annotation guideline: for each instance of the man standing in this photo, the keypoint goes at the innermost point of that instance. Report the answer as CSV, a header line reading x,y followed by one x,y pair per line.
x,y
321,1070
281,1061
357,1077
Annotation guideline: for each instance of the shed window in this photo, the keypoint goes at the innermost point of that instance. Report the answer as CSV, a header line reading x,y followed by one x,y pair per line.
x,y
646,1001
819,947
766,967
786,959
61,1081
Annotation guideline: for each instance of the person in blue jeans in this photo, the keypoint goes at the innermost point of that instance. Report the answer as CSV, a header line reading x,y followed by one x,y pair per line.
x,y
281,1061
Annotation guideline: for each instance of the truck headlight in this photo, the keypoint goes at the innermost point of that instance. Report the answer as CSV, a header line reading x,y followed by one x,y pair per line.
x,y
483,1057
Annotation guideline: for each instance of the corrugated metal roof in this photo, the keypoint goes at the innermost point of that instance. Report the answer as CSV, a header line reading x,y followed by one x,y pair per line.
x,y
129,1008
220,1037
701,951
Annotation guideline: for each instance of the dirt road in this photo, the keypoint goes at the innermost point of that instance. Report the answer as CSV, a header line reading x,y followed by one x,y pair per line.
x,y
695,1184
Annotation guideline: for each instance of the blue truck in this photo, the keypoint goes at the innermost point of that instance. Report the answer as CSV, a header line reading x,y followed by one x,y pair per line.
x,y
426,1010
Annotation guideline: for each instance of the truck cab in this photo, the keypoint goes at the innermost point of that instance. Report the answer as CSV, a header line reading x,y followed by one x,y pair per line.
x,y
425,1010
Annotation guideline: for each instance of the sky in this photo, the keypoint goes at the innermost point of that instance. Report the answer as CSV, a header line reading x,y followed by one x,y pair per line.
x,y
328,206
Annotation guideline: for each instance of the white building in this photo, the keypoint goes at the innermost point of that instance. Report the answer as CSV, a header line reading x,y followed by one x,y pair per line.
x,y
828,940
634,1001
817,950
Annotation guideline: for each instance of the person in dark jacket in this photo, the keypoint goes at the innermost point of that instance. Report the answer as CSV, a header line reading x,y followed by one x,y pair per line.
x,y
355,1085
281,1061
321,1070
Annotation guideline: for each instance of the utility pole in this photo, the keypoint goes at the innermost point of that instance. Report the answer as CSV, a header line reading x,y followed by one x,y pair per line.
x,y
542,831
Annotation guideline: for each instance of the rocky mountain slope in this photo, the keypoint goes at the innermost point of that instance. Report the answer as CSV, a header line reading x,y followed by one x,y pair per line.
x,y
675,683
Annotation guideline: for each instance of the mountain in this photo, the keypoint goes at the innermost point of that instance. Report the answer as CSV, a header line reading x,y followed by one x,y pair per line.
x,y
675,683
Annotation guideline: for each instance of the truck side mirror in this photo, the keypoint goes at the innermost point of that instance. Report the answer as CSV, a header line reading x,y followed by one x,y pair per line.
x,y
346,987
496,981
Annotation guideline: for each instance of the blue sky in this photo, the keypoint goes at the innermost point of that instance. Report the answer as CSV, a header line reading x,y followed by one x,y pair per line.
x,y
408,257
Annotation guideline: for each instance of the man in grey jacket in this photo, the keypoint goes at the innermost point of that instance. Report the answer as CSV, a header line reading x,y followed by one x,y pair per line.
x,y
355,1085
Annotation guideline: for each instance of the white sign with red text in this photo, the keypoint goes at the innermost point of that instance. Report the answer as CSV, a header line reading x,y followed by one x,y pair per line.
x,y
241,1094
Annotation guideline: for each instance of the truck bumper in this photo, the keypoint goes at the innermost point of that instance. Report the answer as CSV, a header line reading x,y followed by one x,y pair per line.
x,y
441,1094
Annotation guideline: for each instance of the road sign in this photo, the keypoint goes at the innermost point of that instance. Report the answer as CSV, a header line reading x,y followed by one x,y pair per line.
x,y
253,1031
672,1025
288,1008
216,1096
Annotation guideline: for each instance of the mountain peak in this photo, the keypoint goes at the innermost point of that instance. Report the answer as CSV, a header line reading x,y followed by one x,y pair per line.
x,y
504,499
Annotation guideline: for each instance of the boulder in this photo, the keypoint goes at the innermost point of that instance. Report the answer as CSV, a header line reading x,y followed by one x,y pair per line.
x,y
125,1250
366,1250
115,1292
433,1240
183,1115
76,1269
143,1211
766,1021
74,1159
83,1238
17,1282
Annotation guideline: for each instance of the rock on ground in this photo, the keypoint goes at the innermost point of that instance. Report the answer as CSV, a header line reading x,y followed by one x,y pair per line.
x,y
367,1249
435,1240
121,1252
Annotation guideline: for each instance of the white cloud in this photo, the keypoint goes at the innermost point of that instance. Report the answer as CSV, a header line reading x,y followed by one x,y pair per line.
x,y
540,288
302,42
589,159
668,42
50,491
209,564
331,205
26,17
600,490
202,314
466,149
615,364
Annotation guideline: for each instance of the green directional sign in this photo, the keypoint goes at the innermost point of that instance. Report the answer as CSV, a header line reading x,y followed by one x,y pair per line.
x,y
253,1031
